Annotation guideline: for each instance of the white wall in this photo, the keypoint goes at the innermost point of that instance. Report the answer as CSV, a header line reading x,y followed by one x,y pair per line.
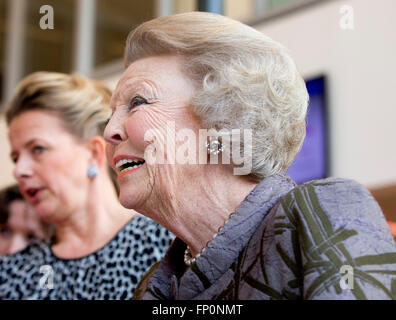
x,y
5,162
361,69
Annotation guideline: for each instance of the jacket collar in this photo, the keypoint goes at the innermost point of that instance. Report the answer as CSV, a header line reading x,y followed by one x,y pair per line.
x,y
222,251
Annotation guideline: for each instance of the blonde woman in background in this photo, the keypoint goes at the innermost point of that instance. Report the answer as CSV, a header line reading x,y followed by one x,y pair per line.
x,y
100,250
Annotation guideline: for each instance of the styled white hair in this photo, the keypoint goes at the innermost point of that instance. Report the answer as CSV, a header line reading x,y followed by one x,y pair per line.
x,y
244,80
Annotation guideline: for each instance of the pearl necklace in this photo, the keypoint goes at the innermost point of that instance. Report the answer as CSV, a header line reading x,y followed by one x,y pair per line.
x,y
188,257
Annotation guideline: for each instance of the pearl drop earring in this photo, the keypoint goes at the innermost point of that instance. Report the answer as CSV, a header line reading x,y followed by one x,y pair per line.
x,y
92,171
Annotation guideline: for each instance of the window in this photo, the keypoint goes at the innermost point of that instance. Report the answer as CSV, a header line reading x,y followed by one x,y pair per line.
x,y
50,49
114,20
3,23
275,4
89,35
247,10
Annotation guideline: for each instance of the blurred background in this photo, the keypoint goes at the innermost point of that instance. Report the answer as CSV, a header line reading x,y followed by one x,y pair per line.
x,y
345,50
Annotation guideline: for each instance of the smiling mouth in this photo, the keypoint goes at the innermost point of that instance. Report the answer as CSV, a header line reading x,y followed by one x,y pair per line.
x,y
125,165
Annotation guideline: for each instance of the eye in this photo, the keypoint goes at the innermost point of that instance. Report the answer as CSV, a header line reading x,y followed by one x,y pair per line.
x,y
137,101
37,150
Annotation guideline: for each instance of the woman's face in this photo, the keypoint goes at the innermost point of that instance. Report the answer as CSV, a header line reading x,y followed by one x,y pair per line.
x,y
152,96
50,164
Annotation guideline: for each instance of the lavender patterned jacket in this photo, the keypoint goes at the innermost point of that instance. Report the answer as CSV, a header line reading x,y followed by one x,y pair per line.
x,y
326,239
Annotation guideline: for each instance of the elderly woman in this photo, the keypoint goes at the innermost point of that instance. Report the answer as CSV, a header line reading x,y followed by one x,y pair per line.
x,y
244,229
100,249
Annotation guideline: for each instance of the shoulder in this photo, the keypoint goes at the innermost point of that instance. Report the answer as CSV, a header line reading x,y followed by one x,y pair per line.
x,y
325,225
19,271
143,228
144,234
331,189
333,203
335,190
36,250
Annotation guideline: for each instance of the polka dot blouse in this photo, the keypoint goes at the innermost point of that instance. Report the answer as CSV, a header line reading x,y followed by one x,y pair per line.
x,y
112,272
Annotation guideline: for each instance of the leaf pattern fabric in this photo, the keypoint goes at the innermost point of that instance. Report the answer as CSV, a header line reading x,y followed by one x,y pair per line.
x,y
288,242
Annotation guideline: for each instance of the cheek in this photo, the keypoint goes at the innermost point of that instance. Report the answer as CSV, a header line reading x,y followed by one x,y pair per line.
x,y
146,123
65,174
135,129
161,126
109,153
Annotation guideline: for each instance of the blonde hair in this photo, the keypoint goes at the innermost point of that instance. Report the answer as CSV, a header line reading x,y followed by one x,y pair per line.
x,y
244,80
83,104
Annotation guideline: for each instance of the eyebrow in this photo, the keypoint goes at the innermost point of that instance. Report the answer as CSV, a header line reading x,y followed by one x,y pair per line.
x,y
138,85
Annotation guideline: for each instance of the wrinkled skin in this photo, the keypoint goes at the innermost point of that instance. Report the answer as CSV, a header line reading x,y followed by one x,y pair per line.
x,y
191,200
167,100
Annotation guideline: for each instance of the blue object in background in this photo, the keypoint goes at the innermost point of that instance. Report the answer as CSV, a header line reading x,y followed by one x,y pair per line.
x,y
312,160
215,6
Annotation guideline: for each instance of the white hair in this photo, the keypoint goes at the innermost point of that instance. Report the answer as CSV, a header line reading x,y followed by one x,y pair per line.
x,y
244,80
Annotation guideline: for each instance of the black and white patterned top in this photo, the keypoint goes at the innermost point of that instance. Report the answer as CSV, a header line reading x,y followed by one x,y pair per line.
x,y
112,272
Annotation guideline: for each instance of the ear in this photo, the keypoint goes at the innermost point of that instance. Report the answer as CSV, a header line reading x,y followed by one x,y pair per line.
x,y
97,147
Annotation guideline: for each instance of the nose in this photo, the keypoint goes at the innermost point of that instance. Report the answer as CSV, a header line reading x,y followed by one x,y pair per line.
x,y
23,168
114,132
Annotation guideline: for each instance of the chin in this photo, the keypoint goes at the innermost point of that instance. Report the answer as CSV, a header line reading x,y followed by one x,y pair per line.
x,y
130,199
127,201
45,212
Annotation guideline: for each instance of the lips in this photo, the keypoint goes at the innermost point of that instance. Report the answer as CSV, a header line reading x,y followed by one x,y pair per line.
x,y
122,157
125,164
33,194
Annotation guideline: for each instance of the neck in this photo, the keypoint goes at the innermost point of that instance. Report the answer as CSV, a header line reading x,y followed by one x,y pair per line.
x,y
93,225
203,206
